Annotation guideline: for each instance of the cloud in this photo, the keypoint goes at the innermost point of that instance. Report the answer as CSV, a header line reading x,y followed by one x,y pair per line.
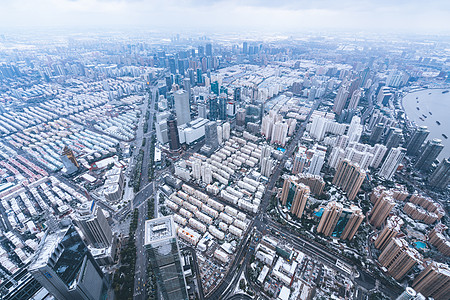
x,y
211,15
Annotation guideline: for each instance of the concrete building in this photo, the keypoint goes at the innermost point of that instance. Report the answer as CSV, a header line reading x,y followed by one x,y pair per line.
x,y
397,259
381,210
390,230
92,222
429,154
434,281
182,107
440,178
391,163
340,222
164,257
349,177
416,141
64,266
294,195
172,132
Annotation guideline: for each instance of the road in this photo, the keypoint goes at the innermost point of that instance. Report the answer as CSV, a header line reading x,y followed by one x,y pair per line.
x,y
140,275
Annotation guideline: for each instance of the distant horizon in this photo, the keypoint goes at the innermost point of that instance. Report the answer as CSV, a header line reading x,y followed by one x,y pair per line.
x,y
284,16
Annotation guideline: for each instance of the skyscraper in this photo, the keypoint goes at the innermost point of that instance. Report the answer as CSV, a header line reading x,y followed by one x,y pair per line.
x,y
434,281
92,222
208,50
440,178
64,266
317,161
390,230
417,139
164,257
341,99
381,210
355,129
294,195
339,221
211,135
429,154
349,177
213,108
394,139
391,163
398,258
182,107
172,133
376,134
354,101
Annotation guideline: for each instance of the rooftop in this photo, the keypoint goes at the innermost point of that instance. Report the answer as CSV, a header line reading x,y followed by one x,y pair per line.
x,y
159,229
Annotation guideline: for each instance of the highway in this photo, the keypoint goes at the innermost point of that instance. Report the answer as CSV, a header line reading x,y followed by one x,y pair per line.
x,y
140,275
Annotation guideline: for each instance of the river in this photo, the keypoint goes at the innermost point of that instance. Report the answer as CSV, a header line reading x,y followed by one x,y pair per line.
x,y
432,106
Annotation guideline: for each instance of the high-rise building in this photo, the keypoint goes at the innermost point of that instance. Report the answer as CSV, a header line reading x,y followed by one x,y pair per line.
x,y
245,47
279,133
390,230
237,95
213,108
355,130
318,128
201,108
349,177
341,99
395,138
440,178
64,266
376,134
317,162
294,195
211,135
381,210
182,107
314,182
429,154
92,222
208,50
391,163
340,222
398,258
267,165
226,131
354,101
300,160
164,257
434,281
172,133
417,139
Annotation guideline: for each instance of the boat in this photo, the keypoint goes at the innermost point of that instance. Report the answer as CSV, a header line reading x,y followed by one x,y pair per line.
x,y
445,92
417,97
424,116
445,136
430,113
421,118
429,93
418,108
437,122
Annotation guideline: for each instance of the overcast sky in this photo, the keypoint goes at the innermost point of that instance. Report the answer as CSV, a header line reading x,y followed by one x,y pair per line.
x,y
420,16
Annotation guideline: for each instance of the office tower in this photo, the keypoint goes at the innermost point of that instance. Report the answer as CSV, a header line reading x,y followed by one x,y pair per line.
x,y
199,77
391,163
215,87
376,134
169,82
434,281
245,47
350,220
381,210
182,107
226,131
92,222
341,99
240,117
318,128
300,161
317,162
330,217
211,139
416,141
164,257
187,86
314,182
354,101
378,154
394,139
294,195
429,154
390,230
201,51
172,133
440,178
172,65
384,96
349,177
69,161
213,108
201,108
237,95
64,266
223,107
355,129
398,258
410,294
208,50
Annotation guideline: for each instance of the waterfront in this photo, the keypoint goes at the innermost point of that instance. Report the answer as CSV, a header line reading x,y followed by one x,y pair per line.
x,y
432,106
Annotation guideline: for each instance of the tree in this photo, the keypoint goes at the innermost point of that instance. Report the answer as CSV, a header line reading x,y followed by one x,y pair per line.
x,y
242,284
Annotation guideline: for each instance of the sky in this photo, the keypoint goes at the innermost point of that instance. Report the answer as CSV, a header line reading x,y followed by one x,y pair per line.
x,y
395,16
